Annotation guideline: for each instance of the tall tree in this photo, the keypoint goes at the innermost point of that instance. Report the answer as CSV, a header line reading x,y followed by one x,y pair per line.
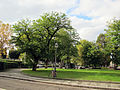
x,y
26,40
34,37
5,33
66,39
101,42
113,34
50,24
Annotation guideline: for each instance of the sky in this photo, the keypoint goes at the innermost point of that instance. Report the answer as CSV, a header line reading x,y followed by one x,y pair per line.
x,y
88,17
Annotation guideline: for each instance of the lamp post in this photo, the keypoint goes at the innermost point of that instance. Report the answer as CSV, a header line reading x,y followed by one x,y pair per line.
x,y
56,46
54,71
111,56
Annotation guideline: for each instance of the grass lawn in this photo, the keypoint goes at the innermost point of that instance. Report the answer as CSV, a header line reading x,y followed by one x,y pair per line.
x,y
78,74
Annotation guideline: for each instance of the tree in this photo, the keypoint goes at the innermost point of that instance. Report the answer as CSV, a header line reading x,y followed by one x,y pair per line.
x,y
94,56
50,24
25,39
102,44
83,51
89,54
34,37
101,40
14,54
66,40
113,34
5,33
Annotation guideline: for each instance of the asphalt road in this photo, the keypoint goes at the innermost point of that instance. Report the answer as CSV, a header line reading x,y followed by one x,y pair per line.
x,y
14,84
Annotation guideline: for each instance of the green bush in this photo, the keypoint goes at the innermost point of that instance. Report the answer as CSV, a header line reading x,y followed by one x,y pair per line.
x,y
6,63
14,54
2,66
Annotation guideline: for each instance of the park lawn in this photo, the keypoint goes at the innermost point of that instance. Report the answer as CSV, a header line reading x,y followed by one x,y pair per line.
x,y
78,74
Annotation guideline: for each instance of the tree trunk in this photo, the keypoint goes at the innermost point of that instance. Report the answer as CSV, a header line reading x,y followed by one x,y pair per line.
x,y
115,67
46,64
34,67
61,64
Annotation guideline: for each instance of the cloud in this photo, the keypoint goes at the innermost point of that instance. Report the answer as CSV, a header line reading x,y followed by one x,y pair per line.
x,y
88,16
89,29
99,12
97,8
19,9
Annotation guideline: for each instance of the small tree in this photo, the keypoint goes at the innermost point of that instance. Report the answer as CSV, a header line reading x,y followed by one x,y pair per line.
x,y
83,51
95,56
5,34
89,53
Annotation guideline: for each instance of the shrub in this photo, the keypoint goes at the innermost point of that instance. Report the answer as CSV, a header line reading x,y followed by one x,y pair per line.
x,y
14,54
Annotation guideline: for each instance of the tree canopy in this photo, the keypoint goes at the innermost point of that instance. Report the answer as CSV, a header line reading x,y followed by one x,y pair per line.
x,y
113,35
33,37
5,33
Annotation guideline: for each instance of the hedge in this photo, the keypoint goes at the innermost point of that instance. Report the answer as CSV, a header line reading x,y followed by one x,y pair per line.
x,y
6,64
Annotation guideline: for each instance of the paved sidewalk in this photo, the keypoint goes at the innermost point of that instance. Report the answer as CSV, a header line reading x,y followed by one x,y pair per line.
x,y
16,74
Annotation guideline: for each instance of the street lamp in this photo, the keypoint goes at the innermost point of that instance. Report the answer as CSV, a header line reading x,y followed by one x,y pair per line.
x,y
56,46
111,56
54,71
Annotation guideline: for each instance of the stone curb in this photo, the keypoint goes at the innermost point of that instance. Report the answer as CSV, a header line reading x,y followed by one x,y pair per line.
x,y
66,82
58,83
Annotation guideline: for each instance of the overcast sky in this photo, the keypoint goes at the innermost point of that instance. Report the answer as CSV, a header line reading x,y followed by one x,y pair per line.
x,y
88,17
